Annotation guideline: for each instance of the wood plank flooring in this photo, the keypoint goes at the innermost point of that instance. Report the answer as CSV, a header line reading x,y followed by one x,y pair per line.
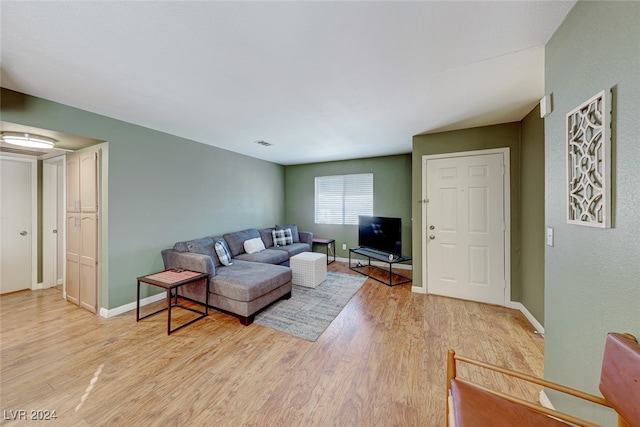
x,y
382,362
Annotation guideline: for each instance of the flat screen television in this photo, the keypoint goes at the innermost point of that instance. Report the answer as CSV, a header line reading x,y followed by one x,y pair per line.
x,y
380,233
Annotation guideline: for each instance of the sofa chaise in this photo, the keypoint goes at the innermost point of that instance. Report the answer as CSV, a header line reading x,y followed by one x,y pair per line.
x,y
248,274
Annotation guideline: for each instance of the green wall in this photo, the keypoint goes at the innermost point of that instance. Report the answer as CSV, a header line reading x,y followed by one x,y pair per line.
x,y
482,138
592,275
532,230
161,189
391,196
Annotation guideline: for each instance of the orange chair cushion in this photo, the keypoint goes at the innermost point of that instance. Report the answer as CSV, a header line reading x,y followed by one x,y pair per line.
x,y
620,377
475,407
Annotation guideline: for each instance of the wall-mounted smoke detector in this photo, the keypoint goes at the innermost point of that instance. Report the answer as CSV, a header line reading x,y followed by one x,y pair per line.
x,y
265,143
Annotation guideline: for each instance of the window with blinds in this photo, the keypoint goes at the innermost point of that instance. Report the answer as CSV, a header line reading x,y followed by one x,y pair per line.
x,y
341,198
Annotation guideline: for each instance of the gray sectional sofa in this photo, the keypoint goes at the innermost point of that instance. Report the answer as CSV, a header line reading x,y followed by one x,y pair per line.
x,y
252,281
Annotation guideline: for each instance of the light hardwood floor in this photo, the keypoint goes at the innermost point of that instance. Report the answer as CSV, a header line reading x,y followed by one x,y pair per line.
x,y
382,362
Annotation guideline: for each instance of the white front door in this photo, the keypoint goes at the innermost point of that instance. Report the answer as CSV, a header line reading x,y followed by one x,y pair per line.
x,y
17,177
465,227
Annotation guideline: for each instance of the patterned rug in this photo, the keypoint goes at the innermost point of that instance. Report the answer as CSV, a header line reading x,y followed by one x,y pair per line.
x,y
310,311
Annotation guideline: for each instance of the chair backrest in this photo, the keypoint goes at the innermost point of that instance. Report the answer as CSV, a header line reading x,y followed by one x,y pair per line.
x,y
620,377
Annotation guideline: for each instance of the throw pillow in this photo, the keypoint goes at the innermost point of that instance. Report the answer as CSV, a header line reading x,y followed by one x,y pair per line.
x,y
203,246
252,246
282,237
223,253
294,231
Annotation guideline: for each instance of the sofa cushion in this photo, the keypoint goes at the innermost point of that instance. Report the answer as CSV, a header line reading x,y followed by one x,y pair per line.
x,y
246,281
294,249
266,234
223,253
202,246
282,237
269,256
294,231
254,245
235,240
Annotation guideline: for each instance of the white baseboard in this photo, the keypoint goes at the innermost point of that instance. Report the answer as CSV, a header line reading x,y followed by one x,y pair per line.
x,y
419,289
534,322
544,400
106,313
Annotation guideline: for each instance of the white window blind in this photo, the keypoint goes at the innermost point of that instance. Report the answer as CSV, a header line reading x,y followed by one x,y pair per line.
x,y
341,198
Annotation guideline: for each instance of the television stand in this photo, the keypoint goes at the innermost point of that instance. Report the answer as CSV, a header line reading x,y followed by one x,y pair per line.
x,y
368,269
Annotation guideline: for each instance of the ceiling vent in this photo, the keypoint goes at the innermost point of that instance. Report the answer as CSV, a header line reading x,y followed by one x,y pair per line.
x,y
265,143
21,151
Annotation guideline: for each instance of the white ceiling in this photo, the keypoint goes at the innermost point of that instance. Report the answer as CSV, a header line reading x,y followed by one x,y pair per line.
x,y
319,80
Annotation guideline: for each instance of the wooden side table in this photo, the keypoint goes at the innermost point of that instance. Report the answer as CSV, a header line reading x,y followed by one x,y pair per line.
x,y
327,243
171,280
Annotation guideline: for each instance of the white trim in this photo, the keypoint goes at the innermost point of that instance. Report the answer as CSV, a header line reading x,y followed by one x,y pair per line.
x,y
50,211
534,322
506,162
423,232
545,401
106,313
48,252
419,289
34,223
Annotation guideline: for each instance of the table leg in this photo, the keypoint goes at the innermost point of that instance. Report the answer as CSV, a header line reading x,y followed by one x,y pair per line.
x,y
169,312
206,298
138,303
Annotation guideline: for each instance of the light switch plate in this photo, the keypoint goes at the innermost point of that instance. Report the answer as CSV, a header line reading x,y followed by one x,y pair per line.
x,y
549,236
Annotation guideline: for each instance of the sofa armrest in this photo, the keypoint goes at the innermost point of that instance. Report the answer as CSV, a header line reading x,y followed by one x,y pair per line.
x,y
189,261
306,237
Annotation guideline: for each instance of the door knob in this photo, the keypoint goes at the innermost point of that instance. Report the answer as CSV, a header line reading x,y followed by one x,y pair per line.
x,y
23,233
432,227
432,237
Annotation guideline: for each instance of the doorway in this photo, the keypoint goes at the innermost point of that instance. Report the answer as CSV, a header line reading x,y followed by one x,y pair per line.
x,y
18,234
466,225
53,238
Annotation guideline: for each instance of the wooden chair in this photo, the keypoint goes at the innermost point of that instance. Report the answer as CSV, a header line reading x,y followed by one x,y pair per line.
x,y
470,404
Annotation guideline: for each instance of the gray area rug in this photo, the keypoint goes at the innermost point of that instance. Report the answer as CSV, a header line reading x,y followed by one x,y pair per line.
x,y
310,311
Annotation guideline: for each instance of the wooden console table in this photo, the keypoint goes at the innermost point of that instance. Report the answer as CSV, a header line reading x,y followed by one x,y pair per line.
x,y
394,278
171,280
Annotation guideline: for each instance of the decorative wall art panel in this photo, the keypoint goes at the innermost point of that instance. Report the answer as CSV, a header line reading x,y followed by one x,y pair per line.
x,y
588,162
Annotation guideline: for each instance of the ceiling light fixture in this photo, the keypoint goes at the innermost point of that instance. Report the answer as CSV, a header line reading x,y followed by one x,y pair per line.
x,y
28,140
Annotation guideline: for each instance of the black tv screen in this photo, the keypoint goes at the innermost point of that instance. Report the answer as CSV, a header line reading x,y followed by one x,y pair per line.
x,y
380,233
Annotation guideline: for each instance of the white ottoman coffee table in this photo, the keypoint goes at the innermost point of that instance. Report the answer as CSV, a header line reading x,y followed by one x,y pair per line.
x,y
309,269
